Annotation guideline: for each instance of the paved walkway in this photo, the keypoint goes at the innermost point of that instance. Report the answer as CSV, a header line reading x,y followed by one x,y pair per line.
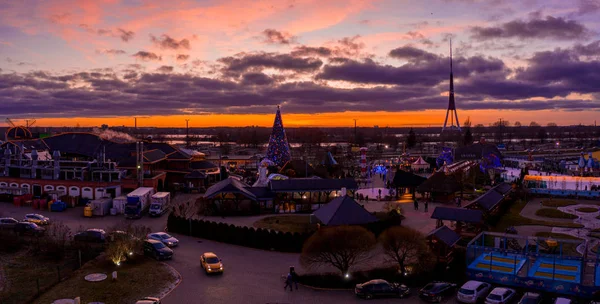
x,y
534,205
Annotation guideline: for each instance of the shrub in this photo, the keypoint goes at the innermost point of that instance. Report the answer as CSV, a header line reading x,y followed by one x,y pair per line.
x,y
554,213
587,209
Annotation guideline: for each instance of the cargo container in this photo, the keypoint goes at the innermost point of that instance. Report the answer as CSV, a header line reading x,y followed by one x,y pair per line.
x,y
119,204
160,202
101,206
138,202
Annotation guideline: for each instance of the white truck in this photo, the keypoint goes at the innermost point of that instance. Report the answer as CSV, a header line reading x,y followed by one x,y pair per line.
x,y
138,202
160,202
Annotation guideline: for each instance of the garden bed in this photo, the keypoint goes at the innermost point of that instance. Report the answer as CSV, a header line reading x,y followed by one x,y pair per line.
x,y
558,203
136,279
288,223
554,213
587,209
514,218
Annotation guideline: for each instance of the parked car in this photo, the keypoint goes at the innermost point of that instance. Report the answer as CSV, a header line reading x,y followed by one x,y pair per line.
x,y
148,300
27,228
473,292
562,301
380,288
36,219
157,250
8,223
436,291
164,237
531,298
211,263
91,236
500,295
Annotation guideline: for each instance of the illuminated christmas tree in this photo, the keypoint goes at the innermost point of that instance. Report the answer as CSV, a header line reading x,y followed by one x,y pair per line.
x,y
279,149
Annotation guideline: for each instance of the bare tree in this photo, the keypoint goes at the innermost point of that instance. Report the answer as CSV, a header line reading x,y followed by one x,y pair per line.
x,y
405,245
341,247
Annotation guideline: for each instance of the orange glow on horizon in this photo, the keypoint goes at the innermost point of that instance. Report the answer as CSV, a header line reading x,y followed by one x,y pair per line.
x,y
427,118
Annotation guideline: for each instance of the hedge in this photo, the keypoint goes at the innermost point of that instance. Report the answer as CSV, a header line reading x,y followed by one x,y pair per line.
x,y
243,236
251,237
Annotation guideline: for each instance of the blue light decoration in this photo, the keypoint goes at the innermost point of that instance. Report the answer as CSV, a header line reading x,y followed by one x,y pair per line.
x,y
489,162
380,169
445,157
278,150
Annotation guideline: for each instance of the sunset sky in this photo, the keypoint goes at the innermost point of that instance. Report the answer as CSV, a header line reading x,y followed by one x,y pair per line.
x,y
326,62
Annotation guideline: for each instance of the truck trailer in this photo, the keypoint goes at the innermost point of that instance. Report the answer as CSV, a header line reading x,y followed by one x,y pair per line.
x,y
160,202
138,202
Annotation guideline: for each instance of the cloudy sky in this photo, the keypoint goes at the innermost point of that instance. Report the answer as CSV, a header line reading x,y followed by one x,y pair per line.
x,y
325,62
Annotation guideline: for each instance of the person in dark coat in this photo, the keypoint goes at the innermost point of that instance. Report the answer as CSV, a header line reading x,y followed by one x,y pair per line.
x,y
294,277
426,205
288,282
416,203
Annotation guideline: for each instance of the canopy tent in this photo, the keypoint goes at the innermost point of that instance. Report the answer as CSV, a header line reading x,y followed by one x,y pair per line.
x,y
344,210
420,164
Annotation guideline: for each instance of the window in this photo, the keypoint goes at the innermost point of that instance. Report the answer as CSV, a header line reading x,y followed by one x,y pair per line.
x,y
74,189
467,291
212,260
158,245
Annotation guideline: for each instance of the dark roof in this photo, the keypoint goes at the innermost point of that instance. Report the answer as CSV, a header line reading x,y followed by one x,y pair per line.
x,y
476,151
344,210
300,167
312,184
178,155
229,185
407,179
492,197
503,188
488,200
86,144
440,182
153,156
445,235
195,175
457,214
202,165
261,192
165,147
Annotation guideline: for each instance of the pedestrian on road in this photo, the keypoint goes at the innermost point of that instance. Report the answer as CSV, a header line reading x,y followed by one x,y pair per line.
x,y
294,277
288,282
426,205
416,203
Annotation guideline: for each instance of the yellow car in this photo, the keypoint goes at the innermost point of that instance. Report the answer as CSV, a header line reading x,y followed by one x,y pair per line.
x,y
211,263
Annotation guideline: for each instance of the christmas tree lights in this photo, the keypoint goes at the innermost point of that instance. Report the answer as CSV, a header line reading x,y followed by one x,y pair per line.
x,y
279,150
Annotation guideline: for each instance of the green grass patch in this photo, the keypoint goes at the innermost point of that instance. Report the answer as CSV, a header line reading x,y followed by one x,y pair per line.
x,y
587,209
558,203
554,213
513,217
288,223
145,277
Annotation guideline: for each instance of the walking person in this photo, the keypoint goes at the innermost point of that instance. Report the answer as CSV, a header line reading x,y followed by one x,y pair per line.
x,y
294,276
426,205
288,282
416,203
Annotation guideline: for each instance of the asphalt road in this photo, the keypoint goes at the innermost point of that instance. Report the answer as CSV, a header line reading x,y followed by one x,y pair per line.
x,y
251,275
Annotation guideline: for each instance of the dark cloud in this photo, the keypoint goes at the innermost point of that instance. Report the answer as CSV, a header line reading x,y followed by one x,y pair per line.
x,y
125,34
423,68
241,84
111,52
412,54
550,27
588,7
182,57
147,56
272,36
311,51
591,49
258,61
168,43
256,79
349,46
165,69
